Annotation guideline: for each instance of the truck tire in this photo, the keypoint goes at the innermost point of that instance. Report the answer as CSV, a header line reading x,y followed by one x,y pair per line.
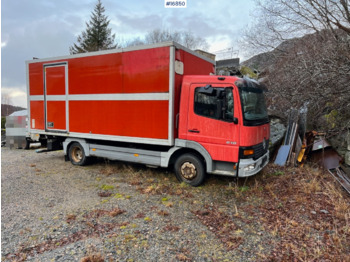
x,y
77,155
27,146
189,168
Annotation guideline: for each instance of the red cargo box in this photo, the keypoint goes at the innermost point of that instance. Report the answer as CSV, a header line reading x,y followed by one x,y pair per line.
x,y
128,95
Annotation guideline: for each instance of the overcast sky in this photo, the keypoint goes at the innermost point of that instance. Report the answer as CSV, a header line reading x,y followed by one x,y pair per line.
x,y
47,28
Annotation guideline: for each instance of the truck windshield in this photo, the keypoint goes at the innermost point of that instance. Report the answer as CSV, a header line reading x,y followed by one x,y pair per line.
x,y
253,103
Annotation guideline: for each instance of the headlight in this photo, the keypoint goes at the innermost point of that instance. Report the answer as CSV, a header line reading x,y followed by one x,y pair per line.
x,y
249,168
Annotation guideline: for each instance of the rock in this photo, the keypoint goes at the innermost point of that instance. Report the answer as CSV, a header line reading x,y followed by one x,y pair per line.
x,y
277,130
340,143
324,211
347,158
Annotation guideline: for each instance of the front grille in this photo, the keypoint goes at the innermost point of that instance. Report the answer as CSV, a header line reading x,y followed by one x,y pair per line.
x,y
259,150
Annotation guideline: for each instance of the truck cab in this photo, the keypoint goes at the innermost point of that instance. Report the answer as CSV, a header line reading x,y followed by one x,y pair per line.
x,y
227,116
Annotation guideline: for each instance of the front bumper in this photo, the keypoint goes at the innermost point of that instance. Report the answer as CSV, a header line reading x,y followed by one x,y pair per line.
x,y
249,167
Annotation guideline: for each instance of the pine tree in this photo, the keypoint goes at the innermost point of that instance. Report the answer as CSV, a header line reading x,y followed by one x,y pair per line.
x,y
97,35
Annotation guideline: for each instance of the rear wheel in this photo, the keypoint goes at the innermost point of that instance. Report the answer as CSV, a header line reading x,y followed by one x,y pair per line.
x,y
27,146
77,155
189,168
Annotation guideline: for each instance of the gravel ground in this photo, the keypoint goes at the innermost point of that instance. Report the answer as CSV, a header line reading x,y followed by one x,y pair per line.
x,y
54,211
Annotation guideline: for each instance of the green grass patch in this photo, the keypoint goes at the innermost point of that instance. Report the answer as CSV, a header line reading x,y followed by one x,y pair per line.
x,y
107,187
244,188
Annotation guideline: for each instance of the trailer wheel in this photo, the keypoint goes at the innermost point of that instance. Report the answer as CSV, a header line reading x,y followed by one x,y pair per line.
x,y
189,168
77,155
27,146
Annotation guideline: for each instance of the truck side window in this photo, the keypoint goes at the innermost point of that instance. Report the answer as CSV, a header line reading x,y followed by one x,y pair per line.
x,y
217,105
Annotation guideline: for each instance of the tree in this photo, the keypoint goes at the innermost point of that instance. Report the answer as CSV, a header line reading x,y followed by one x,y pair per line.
x,y
279,20
184,38
6,101
158,35
97,35
310,40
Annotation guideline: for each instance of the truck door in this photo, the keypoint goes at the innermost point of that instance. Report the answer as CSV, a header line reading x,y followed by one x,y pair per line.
x,y
56,90
211,118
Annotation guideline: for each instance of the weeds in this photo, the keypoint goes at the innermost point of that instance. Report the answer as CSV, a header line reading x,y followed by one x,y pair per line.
x,y
244,188
301,213
107,187
111,168
93,258
307,212
221,225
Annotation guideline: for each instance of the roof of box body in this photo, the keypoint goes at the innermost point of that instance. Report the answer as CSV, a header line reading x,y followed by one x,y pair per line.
x,y
127,49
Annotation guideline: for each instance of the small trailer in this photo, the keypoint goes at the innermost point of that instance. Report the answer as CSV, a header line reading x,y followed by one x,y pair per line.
x,y
16,129
159,105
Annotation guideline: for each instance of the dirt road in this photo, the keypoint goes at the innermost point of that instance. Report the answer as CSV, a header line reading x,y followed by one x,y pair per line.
x,y
54,211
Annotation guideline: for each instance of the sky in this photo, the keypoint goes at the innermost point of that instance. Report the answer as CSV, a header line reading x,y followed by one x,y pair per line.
x,y
47,28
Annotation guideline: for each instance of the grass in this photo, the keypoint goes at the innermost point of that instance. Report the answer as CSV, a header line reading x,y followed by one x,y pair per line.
x,y
307,212
281,214
304,211
107,187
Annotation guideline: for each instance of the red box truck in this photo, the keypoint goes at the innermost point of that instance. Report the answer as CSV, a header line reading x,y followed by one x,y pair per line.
x,y
159,105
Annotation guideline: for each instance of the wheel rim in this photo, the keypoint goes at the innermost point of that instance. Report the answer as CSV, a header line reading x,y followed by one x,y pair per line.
x,y
188,171
77,154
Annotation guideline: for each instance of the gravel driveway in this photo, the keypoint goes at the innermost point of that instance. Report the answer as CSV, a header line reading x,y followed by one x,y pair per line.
x,y
54,211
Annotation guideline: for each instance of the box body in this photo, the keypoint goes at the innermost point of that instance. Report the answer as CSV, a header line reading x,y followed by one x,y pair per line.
x,y
128,95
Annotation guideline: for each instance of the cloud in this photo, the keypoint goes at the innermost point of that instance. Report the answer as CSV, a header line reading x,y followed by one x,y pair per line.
x,y
46,36
15,95
42,28
219,43
136,24
4,40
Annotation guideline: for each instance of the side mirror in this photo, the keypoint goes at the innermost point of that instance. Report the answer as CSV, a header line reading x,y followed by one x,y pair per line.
x,y
235,120
206,90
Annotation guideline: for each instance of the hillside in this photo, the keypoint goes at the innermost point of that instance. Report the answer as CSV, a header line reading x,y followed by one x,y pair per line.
x,y
266,59
310,72
9,109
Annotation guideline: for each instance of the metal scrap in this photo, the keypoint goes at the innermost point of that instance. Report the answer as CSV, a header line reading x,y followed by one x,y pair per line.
x,y
324,154
293,139
282,155
341,176
299,146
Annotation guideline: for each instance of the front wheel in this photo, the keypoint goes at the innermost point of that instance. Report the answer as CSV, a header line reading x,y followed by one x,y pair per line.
x,y
77,155
189,168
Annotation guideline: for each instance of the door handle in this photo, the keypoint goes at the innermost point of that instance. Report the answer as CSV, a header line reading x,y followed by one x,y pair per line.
x,y
194,131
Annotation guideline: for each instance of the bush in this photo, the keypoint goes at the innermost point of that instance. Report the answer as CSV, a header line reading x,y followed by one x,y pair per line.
x,y
246,71
3,122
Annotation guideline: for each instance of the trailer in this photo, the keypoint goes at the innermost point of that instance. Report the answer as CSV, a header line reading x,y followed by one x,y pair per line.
x,y
159,105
